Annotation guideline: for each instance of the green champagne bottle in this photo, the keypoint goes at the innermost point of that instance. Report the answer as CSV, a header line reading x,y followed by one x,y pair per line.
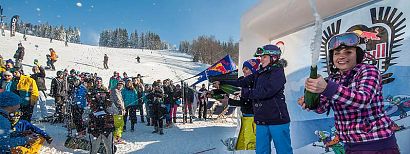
x,y
312,100
229,89
217,94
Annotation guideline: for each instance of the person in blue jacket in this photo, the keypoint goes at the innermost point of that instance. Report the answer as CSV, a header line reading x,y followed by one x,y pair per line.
x,y
9,103
268,100
78,106
130,97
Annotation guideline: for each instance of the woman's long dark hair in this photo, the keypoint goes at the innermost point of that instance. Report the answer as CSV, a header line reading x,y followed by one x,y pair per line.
x,y
359,59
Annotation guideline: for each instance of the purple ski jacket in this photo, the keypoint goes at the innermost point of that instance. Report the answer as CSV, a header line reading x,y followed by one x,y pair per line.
x,y
357,101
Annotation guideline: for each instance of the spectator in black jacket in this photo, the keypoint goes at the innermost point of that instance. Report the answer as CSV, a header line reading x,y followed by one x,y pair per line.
x,y
59,92
158,107
202,102
19,55
177,95
168,98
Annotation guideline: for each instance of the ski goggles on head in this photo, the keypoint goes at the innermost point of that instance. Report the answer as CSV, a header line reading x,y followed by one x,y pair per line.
x,y
346,39
260,52
16,114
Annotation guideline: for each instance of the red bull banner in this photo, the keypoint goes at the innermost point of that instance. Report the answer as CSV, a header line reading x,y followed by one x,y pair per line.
x,y
223,66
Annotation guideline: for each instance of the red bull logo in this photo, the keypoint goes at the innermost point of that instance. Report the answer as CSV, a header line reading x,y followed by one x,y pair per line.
x,y
368,35
381,39
218,68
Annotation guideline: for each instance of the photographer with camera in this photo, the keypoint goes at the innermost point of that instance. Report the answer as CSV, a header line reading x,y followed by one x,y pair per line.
x,y
101,124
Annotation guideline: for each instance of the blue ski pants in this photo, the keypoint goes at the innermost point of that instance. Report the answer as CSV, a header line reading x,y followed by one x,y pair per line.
x,y
280,134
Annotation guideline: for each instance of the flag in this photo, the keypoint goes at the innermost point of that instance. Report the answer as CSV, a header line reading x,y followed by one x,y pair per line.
x,y
13,25
223,66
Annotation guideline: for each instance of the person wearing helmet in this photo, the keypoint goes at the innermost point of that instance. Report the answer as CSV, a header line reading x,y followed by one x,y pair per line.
x,y
24,128
267,95
58,90
9,103
353,91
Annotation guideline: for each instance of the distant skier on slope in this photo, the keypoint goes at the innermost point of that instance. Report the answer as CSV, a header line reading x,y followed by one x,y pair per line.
x,y
105,61
53,57
138,59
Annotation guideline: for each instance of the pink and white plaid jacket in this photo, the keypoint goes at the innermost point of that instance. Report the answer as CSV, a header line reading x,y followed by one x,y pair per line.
x,y
357,101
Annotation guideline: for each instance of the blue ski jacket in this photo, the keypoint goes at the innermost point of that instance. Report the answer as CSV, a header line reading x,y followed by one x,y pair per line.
x,y
129,96
80,96
23,125
6,140
266,94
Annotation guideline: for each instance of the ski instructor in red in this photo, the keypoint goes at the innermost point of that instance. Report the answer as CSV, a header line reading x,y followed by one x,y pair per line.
x,y
353,91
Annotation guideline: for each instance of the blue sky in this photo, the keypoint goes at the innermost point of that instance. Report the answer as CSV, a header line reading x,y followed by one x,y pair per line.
x,y
173,20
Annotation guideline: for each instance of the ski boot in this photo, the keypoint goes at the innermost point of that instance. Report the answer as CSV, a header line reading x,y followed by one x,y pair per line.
x,y
161,132
168,125
155,130
119,140
184,119
142,119
190,119
132,127
174,119
148,121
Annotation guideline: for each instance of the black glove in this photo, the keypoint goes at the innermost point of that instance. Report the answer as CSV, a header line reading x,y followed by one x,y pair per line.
x,y
49,139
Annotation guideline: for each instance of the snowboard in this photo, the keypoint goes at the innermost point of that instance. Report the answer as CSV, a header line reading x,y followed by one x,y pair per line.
x,y
83,144
203,151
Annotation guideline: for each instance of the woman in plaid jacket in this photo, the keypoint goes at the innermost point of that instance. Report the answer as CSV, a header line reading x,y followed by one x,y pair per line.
x,y
354,91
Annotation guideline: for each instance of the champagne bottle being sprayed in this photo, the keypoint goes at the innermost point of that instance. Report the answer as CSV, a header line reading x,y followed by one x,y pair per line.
x,y
312,100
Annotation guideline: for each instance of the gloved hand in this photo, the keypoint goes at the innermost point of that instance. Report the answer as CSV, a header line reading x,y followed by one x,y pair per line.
x,y
33,99
216,84
49,139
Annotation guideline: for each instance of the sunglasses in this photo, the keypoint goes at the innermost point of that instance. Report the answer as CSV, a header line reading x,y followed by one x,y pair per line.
x,y
260,52
346,39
